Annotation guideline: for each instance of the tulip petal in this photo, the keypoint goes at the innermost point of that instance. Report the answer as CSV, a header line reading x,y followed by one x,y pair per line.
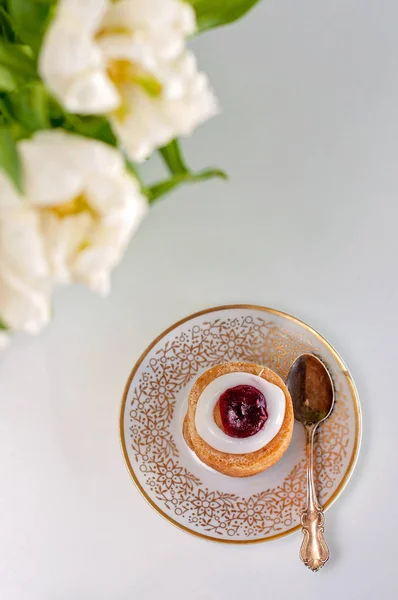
x,y
21,244
23,307
71,63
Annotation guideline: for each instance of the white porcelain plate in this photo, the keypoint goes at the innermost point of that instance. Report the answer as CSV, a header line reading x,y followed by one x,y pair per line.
x,y
195,497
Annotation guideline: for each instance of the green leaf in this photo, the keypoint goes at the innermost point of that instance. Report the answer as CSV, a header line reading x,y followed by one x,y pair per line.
x,y
215,13
172,156
5,115
16,59
39,105
9,158
56,112
7,80
29,107
30,18
92,127
6,25
164,187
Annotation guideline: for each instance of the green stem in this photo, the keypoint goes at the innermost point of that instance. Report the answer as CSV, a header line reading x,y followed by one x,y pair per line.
x,y
173,158
162,188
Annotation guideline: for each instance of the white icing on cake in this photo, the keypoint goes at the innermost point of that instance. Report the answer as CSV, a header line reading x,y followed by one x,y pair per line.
x,y
208,429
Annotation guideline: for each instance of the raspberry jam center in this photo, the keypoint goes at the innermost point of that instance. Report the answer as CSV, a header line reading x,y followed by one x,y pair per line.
x,y
243,411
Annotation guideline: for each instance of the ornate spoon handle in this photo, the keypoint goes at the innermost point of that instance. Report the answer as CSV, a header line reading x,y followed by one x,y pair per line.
x,y
314,551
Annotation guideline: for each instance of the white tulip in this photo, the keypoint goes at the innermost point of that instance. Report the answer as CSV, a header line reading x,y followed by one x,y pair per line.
x,y
25,289
78,212
147,121
127,59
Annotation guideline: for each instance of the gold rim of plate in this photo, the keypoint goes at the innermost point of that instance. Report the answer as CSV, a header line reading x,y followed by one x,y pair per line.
x,y
345,372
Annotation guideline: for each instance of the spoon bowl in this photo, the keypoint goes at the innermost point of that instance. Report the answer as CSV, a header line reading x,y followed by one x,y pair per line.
x,y
311,389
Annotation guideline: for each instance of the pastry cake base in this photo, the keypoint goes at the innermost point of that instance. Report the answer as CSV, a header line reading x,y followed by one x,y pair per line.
x,y
238,465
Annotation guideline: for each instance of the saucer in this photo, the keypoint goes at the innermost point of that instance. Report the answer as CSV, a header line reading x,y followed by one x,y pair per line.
x,y
193,496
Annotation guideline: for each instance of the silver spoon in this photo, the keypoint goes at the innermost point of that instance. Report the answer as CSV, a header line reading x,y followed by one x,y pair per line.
x,y
312,392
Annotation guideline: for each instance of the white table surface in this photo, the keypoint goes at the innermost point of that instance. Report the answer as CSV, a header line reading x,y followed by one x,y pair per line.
x,y
307,224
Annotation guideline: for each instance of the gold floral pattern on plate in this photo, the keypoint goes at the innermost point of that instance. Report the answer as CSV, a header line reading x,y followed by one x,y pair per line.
x,y
176,483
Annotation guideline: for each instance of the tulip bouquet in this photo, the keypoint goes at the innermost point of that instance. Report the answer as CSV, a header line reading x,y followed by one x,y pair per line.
x,y
88,90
